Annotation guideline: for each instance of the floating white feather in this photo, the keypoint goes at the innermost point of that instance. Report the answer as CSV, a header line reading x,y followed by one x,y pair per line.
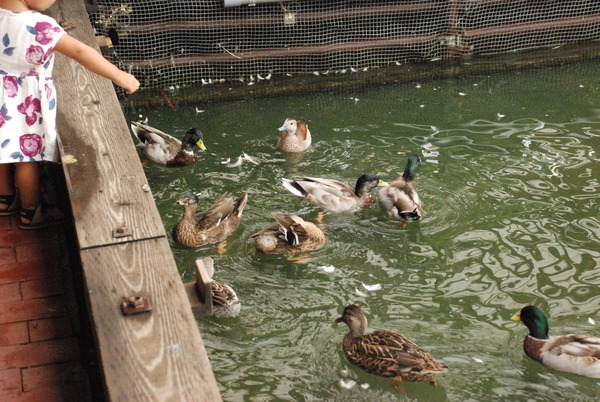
x,y
236,163
371,288
347,384
327,268
250,159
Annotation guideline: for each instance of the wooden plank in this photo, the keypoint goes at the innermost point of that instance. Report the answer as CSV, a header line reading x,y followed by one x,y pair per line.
x,y
199,293
162,356
282,53
106,183
157,355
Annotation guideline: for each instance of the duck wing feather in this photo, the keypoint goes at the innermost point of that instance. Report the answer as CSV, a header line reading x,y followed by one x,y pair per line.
x,y
216,214
153,137
222,294
578,354
400,197
328,194
577,345
390,354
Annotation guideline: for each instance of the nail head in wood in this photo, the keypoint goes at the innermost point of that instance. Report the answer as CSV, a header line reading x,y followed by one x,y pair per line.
x,y
135,305
122,231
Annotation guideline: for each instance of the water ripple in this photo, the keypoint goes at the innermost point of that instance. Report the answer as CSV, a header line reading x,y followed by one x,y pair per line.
x,y
512,217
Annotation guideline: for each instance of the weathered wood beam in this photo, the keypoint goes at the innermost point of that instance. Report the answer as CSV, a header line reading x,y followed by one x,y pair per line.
x,y
199,292
533,26
156,355
268,54
305,17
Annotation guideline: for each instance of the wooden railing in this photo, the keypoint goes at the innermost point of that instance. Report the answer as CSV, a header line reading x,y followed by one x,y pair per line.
x,y
155,355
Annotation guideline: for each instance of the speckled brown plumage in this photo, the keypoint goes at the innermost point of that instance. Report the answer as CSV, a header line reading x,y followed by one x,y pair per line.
x,y
291,234
225,301
223,296
210,226
386,353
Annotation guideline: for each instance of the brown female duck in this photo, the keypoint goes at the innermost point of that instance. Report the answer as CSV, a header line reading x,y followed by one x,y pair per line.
x,y
291,234
335,196
295,136
386,353
164,148
211,226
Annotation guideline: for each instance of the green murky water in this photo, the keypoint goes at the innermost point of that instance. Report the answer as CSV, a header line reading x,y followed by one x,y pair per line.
x,y
512,200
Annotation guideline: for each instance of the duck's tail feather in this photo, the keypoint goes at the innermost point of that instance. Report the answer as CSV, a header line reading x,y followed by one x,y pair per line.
x,y
294,188
240,204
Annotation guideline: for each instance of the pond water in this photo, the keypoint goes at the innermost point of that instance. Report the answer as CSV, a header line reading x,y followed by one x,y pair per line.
x,y
510,182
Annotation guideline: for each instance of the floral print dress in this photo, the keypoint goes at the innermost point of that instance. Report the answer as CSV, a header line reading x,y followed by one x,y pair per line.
x,y
27,93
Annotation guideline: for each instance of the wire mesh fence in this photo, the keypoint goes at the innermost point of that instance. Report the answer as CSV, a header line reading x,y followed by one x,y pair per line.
x,y
184,42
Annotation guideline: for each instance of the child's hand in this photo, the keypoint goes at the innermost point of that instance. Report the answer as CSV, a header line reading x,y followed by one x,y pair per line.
x,y
128,82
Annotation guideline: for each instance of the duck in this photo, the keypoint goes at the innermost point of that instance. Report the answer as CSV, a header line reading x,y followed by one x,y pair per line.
x,y
165,149
333,195
291,234
295,136
576,354
386,353
400,199
225,301
210,226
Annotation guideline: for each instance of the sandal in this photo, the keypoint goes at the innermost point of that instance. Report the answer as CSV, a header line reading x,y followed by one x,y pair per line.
x,y
12,201
41,217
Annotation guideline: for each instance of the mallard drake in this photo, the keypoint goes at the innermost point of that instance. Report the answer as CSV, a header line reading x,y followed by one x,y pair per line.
x,y
225,301
335,196
386,353
577,354
211,226
400,199
164,148
291,234
295,136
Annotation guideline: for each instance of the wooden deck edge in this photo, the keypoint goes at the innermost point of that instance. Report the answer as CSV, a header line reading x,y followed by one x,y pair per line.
x,y
154,355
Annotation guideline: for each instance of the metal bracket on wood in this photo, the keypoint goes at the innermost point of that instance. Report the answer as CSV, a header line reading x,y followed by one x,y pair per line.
x,y
122,231
135,305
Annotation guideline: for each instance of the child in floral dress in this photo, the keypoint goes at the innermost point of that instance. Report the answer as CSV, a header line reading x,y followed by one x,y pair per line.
x,y
28,103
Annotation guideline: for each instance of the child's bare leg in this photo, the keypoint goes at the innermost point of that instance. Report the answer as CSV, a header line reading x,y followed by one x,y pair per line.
x,y
27,179
7,186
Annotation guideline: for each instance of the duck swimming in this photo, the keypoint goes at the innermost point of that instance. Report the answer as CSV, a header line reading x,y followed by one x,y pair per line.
x,y
386,353
291,234
577,354
400,199
295,136
166,149
210,226
333,195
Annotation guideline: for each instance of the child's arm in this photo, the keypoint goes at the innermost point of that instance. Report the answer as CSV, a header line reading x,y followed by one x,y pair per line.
x,y
95,62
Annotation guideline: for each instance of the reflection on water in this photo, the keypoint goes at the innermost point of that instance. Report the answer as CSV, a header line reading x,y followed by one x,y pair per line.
x,y
511,189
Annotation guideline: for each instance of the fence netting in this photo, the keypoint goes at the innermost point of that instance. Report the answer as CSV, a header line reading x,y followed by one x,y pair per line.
x,y
185,42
